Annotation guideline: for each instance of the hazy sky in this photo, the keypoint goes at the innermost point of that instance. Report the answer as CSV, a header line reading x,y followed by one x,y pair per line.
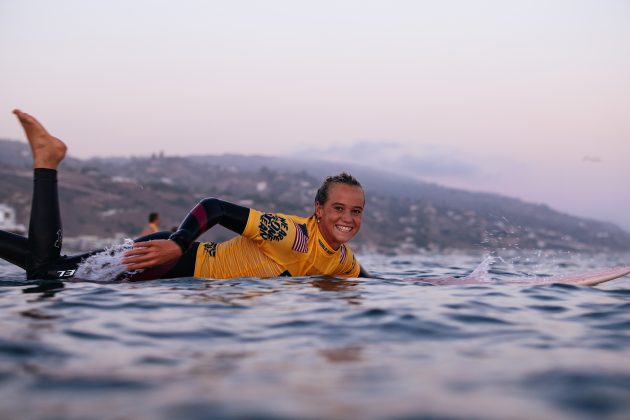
x,y
526,98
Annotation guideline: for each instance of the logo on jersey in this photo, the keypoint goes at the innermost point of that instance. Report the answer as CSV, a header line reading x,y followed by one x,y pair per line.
x,y
272,227
301,238
325,248
210,248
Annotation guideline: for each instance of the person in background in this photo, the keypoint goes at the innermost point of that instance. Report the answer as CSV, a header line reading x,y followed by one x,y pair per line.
x,y
152,226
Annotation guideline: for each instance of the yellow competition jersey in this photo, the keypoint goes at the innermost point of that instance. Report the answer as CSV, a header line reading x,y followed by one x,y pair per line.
x,y
275,244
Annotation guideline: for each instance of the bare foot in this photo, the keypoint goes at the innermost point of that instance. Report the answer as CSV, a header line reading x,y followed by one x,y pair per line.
x,y
48,151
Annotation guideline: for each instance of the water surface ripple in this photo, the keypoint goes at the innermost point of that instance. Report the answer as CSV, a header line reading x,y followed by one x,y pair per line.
x,y
320,347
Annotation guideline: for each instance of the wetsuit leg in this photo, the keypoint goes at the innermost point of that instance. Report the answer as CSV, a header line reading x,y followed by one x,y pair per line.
x,y
44,233
13,248
39,254
43,245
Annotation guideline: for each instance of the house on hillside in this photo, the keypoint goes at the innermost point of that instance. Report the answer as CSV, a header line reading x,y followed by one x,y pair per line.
x,y
7,220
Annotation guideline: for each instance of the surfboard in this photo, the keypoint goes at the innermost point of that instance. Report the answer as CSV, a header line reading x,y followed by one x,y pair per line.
x,y
590,278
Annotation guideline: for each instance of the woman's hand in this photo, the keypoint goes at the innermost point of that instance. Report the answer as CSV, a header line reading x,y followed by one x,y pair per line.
x,y
151,253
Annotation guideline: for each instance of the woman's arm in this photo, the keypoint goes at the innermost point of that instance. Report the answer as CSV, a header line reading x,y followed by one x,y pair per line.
x,y
206,214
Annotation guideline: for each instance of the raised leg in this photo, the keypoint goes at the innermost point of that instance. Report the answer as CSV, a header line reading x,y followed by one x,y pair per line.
x,y
45,233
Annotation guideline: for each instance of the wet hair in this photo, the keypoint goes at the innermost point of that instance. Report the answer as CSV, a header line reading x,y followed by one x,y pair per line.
x,y
153,217
343,178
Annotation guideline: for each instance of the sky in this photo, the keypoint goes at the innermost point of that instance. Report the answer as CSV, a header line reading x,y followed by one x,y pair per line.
x,y
529,99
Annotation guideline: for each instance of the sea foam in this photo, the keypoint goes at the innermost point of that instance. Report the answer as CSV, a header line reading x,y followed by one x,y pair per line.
x,y
106,265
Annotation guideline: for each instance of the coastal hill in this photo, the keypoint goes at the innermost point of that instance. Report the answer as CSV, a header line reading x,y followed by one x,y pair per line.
x,y
109,196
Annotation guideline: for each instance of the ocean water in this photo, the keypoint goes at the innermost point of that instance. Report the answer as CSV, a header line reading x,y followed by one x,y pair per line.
x,y
322,347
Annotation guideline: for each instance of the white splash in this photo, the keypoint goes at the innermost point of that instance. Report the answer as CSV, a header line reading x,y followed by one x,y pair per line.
x,y
480,274
105,265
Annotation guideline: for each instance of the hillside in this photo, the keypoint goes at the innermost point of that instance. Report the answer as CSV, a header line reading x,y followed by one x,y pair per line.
x,y
105,196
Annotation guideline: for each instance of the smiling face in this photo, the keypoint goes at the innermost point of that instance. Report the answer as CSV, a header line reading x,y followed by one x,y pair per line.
x,y
340,216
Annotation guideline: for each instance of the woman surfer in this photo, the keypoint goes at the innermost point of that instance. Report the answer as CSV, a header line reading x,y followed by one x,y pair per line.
x,y
268,245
